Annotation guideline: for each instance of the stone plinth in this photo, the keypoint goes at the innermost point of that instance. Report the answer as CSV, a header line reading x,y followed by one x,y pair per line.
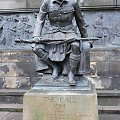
x,y
60,105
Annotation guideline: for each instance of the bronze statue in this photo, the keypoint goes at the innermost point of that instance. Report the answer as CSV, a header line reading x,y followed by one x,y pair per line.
x,y
60,14
60,50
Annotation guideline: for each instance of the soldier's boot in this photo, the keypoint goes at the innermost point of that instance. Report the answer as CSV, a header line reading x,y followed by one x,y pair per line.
x,y
73,70
56,69
74,61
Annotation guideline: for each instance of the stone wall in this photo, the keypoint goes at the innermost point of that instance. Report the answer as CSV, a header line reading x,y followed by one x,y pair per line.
x,y
17,69
105,56
96,2
12,4
20,4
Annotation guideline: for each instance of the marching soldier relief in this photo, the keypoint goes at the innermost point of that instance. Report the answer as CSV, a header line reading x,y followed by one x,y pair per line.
x,y
8,31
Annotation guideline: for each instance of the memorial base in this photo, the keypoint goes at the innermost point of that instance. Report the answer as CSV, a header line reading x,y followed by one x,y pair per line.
x,y
60,105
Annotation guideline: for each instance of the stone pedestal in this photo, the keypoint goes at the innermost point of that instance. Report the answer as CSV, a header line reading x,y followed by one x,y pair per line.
x,y
60,105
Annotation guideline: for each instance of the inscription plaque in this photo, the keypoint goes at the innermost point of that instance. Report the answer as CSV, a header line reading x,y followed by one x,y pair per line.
x,y
60,105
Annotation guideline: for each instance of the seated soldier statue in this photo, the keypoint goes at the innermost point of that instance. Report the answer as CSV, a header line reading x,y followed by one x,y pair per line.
x,y
62,58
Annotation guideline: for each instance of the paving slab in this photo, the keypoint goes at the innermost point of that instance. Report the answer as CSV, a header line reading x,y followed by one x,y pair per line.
x,y
3,115
13,116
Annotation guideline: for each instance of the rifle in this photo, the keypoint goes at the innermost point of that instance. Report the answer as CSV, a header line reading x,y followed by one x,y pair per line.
x,y
56,42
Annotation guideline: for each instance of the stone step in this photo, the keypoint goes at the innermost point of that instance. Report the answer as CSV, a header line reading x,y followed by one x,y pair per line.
x,y
15,96
109,117
12,92
19,108
11,107
108,100
11,115
100,93
109,109
108,93
19,115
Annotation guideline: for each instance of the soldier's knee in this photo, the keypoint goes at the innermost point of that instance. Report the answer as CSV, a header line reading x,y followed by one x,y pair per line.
x,y
86,46
43,55
75,46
